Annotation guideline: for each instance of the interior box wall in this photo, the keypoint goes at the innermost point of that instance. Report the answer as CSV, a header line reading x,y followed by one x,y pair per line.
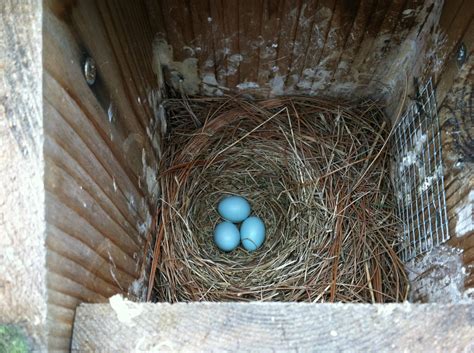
x,y
97,155
101,152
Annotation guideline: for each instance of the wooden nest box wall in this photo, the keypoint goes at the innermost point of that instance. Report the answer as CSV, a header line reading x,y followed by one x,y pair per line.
x,y
80,152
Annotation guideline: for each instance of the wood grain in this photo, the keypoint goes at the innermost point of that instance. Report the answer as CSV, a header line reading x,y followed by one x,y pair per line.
x,y
342,24
250,40
289,20
22,226
80,275
95,146
354,40
222,51
306,21
312,74
456,119
275,327
271,27
450,69
97,151
131,40
349,48
396,29
204,28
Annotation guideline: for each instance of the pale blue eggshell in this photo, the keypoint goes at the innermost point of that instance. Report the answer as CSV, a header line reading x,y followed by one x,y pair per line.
x,y
226,236
234,209
252,233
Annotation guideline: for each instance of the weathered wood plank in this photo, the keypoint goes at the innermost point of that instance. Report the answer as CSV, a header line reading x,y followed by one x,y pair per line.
x,y
67,220
304,31
131,38
62,300
72,195
450,12
61,331
64,315
455,115
250,18
74,250
22,225
79,274
203,27
65,118
226,13
67,90
273,327
99,153
59,344
156,18
289,19
345,13
109,198
354,40
456,23
271,25
451,68
382,46
222,51
396,31
64,285
372,29
321,28
178,27
116,88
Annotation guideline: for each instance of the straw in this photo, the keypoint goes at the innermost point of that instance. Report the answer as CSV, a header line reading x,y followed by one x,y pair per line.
x,y
316,172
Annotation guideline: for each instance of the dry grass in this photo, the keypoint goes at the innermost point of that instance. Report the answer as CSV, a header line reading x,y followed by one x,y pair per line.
x,y
314,170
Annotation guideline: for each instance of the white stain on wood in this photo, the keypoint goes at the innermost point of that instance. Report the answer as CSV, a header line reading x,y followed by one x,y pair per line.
x,y
210,86
465,216
125,310
248,85
438,277
184,75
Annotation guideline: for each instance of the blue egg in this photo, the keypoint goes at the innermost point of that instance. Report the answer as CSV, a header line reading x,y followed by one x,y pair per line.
x,y
234,209
226,236
252,233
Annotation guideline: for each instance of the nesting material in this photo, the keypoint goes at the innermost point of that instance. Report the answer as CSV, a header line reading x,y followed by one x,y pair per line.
x,y
317,173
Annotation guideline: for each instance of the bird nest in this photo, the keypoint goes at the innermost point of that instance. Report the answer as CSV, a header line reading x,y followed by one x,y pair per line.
x,y
316,172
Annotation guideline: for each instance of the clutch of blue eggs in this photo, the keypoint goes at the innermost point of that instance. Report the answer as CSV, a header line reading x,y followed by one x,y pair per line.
x,y
227,236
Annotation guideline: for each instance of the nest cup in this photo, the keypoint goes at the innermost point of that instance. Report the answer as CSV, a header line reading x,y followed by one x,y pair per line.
x,y
315,171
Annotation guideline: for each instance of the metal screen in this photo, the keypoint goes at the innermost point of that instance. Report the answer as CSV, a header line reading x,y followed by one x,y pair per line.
x,y
418,176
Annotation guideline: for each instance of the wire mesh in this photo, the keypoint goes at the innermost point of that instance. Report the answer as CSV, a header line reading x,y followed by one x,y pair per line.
x,y
419,177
